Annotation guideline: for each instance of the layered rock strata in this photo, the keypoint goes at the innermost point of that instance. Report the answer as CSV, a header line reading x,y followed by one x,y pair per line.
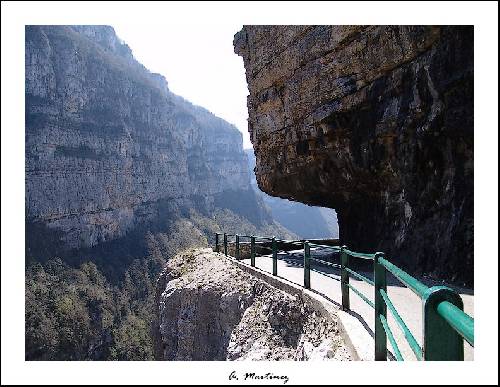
x,y
109,148
375,122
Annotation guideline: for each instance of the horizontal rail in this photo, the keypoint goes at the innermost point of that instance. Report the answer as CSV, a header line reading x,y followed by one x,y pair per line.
x,y
297,241
335,248
333,240
360,255
390,336
337,266
460,321
246,236
359,276
294,243
412,342
415,285
361,295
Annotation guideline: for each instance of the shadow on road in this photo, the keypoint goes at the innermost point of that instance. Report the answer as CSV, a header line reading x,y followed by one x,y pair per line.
x,y
295,259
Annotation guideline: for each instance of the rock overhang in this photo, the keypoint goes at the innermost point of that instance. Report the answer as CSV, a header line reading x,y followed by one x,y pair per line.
x,y
374,121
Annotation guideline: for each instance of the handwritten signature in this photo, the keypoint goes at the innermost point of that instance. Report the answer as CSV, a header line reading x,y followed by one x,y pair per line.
x,y
253,376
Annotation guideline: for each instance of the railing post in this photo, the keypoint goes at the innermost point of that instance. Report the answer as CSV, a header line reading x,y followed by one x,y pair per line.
x,y
441,341
216,242
380,308
252,251
307,265
275,257
237,248
225,244
344,278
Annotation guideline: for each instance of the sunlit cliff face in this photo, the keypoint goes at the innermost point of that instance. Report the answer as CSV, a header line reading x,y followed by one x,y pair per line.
x,y
376,122
109,149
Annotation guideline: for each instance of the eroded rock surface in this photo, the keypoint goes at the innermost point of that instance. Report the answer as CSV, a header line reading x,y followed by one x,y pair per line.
x,y
375,122
109,148
209,309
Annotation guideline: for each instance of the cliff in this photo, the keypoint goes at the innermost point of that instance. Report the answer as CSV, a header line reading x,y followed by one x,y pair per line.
x,y
109,149
206,308
375,122
121,174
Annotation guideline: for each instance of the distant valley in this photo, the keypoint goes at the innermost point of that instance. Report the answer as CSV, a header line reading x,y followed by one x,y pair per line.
x,y
308,222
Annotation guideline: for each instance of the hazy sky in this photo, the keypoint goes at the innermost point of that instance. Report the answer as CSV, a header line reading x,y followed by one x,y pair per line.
x,y
199,64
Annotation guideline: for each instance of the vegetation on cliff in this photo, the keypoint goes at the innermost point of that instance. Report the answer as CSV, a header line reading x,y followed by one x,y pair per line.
x,y
98,304
121,174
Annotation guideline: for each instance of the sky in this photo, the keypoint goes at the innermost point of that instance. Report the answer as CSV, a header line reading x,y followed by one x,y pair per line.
x,y
199,64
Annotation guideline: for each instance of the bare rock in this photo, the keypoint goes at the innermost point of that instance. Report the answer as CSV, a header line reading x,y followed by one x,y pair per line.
x,y
375,122
209,309
110,149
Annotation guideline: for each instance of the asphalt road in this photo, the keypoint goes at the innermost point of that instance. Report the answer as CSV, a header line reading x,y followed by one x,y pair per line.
x,y
326,281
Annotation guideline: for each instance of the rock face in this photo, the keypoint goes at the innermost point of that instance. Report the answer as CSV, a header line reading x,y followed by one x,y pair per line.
x,y
109,148
208,309
375,122
305,221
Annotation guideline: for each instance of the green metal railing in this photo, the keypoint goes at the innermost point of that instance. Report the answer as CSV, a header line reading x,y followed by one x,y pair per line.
x,y
445,324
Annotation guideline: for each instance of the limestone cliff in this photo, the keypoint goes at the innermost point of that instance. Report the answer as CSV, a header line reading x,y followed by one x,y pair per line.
x,y
375,122
109,148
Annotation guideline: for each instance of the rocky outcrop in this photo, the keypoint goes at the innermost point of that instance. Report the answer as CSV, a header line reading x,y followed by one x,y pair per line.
x,y
375,122
209,309
109,148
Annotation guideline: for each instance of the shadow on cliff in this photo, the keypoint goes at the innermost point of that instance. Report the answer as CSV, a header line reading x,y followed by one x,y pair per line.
x,y
112,257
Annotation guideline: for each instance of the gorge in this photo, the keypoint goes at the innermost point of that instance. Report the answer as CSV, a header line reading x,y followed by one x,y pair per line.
x,y
120,175
372,125
109,148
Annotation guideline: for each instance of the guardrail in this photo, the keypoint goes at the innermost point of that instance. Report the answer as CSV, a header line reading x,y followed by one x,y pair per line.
x,y
445,324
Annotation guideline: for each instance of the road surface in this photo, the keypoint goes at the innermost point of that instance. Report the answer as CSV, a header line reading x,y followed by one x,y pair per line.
x,y
326,281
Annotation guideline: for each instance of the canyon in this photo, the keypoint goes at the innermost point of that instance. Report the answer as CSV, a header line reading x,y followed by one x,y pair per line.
x,y
110,149
120,175
126,184
375,122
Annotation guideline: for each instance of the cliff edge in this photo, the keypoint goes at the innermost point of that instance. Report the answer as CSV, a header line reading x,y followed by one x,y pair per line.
x,y
209,309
